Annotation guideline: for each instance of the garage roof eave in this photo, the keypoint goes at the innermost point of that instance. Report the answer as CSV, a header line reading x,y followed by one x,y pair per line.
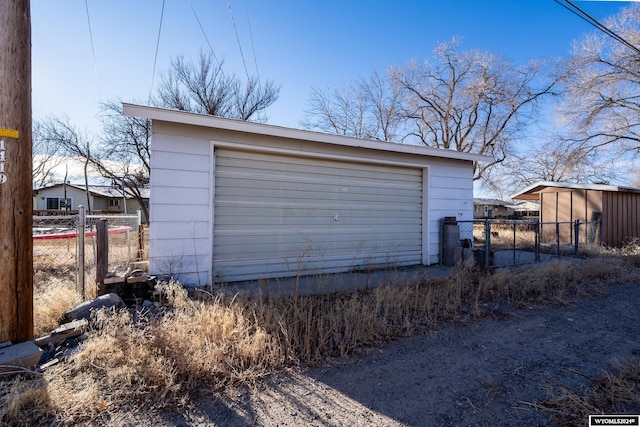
x,y
532,192
188,118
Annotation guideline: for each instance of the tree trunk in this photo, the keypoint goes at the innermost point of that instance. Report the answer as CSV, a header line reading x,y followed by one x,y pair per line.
x,y
16,244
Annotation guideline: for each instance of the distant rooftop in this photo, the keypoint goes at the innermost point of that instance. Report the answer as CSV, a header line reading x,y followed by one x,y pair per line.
x,y
107,191
532,192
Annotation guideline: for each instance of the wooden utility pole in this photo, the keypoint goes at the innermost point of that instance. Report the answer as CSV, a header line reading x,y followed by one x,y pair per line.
x,y
16,210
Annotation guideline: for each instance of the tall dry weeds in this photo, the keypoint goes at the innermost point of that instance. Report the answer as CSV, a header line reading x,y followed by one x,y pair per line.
x,y
609,393
52,296
153,362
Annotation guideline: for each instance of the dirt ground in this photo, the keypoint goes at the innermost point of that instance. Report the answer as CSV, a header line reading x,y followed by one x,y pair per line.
x,y
484,372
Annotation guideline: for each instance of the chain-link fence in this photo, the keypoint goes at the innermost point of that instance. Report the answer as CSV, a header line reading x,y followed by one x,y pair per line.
x,y
507,242
69,242
54,242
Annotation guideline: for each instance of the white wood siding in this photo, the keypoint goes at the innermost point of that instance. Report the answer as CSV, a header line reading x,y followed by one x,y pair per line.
x,y
278,216
180,208
451,194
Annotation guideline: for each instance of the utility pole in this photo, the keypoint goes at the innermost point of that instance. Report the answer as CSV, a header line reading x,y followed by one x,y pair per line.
x,y
16,210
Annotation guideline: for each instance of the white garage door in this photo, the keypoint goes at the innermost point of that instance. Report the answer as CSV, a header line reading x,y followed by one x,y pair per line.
x,y
282,216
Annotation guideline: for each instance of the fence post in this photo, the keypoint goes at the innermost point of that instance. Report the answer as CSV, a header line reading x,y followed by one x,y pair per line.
x,y
102,254
140,254
514,243
600,231
487,242
558,239
576,236
80,262
536,243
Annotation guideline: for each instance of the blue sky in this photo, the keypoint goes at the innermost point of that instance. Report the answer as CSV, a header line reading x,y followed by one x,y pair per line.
x,y
297,43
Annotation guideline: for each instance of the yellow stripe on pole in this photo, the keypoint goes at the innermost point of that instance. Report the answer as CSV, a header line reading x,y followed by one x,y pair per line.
x,y
9,133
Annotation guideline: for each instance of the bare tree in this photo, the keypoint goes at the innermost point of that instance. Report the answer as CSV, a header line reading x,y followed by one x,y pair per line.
x,y
602,83
471,101
124,152
557,162
554,161
121,156
383,96
121,153
58,131
467,101
46,157
636,178
367,108
204,87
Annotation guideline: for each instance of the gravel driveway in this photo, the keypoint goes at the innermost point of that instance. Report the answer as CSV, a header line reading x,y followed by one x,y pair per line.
x,y
475,372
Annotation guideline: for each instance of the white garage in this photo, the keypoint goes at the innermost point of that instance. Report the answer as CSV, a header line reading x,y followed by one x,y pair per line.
x,y
235,201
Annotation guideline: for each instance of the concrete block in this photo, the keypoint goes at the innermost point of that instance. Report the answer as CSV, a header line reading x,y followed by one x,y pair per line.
x,y
25,354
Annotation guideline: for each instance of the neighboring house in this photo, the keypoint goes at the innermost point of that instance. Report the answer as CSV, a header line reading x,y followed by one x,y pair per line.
x,y
527,209
105,199
236,201
493,208
617,207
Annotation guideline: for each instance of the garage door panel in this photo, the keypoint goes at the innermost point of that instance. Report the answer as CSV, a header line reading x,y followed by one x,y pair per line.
x,y
356,259
302,182
247,216
328,192
291,266
279,215
293,242
321,212
325,174
262,164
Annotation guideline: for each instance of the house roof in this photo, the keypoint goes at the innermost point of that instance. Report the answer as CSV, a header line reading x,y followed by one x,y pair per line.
x,y
527,205
493,202
105,191
532,192
188,118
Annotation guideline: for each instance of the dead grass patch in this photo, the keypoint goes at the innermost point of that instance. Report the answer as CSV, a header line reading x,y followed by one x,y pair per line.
x,y
135,361
25,402
609,393
53,295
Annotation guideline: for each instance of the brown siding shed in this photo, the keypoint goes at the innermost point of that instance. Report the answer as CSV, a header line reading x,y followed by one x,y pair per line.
x,y
618,207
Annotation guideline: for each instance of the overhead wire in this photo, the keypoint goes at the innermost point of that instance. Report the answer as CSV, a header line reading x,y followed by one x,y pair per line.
x,y
261,113
253,48
573,8
195,14
155,58
235,28
93,51
244,63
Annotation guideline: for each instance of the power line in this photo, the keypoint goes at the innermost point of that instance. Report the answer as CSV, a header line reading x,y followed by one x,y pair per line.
x,y
253,48
155,58
235,28
570,6
255,60
205,37
93,51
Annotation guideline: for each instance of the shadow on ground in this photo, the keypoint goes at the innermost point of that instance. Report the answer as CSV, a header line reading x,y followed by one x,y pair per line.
x,y
474,372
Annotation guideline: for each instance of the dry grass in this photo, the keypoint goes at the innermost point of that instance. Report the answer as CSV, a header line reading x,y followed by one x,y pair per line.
x,y
155,362
556,281
25,402
53,294
617,393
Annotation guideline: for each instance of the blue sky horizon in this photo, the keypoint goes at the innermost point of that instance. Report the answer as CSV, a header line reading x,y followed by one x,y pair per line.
x,y
298,45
